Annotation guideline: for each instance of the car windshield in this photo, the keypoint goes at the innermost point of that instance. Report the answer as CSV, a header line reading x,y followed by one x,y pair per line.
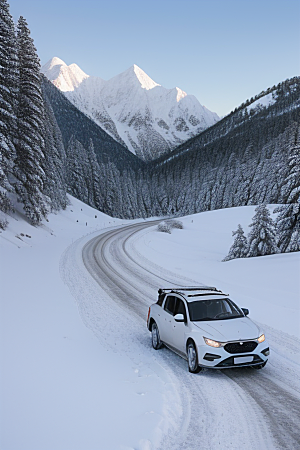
x,y
218,309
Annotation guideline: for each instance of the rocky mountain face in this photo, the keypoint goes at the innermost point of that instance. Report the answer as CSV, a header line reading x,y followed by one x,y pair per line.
x,y
143,116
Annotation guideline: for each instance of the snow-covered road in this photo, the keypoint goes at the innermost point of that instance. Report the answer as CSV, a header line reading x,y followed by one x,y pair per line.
x,y
230,409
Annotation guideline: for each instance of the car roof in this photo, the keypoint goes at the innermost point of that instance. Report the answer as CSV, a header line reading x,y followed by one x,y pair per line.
x,y
192,294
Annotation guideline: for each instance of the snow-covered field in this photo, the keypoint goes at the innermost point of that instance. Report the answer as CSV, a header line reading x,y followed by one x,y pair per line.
x,y
269,286
64,387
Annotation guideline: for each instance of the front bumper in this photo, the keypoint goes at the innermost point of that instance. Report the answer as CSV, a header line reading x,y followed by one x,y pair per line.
x,y
219,358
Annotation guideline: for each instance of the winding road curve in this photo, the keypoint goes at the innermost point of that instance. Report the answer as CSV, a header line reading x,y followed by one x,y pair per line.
x,y
232,409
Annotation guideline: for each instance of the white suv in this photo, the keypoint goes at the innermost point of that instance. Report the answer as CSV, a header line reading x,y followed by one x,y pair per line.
x,y
204,326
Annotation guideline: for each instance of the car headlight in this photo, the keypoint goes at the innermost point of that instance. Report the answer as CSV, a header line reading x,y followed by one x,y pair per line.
x,y
212,343
261,338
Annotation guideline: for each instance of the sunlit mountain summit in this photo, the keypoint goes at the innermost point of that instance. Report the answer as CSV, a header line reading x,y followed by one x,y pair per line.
x,y
139,113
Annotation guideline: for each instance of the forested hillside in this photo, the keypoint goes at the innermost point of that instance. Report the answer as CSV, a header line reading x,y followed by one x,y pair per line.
x,y
243,159
48,148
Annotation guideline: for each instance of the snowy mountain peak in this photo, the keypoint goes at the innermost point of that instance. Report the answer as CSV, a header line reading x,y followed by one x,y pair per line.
x,y
144,79
52,68
66,78
180,94
54,62
134,77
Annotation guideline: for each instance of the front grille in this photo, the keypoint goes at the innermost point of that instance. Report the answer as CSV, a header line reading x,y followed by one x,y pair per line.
x,y
240,347
229,362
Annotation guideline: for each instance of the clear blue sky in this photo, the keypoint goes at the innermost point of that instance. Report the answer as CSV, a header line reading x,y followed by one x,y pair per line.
x,y
222,51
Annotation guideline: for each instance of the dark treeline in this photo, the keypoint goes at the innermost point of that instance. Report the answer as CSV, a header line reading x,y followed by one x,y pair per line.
x,y
48,148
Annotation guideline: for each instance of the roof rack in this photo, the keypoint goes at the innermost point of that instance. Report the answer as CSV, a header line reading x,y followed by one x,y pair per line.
x,y
190,288
205,290
217,292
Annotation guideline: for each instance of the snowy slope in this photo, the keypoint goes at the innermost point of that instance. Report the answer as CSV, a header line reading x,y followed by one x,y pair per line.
x,y
148,118
61,388
263,102
71,377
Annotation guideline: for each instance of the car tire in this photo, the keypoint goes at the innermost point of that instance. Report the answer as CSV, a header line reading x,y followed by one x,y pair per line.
x,y
192,358
156,342
259,366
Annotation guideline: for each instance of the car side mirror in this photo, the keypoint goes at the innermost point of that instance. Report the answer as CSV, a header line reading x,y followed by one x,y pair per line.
x,y
245,311
179,318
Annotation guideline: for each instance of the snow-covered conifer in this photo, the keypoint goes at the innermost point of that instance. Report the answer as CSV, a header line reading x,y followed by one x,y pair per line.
x,y
54,163
262,238
30,121
288,219
76,170
112,195
129,195
288,227
294,244
239,246
95,198
8,93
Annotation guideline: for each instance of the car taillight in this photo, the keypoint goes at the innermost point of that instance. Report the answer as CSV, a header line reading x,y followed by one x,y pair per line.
x,y
148,315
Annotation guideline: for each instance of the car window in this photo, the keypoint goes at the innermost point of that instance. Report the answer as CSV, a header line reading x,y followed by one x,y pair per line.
x,y
180,308
161,298
170,304
213,310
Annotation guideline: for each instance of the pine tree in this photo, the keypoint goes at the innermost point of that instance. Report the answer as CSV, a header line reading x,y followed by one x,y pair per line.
x,y
261,240
95,198
288,227
288,219
294,244
112,194
76,174
239,246
8,94
54,163
30,121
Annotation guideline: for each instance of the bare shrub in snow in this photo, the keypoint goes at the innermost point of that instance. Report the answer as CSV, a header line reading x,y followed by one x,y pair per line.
x,y
175,224
3,224
5,203
164,227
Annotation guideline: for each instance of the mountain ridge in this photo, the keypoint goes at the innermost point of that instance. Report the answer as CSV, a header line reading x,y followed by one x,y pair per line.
x,y
137,112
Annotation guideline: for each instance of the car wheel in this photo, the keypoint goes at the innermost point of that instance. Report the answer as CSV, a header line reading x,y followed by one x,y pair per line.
x,y
192,358
259,366
156,342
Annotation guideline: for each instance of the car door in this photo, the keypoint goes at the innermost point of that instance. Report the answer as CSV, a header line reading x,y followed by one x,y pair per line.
x,y
178,329
167,319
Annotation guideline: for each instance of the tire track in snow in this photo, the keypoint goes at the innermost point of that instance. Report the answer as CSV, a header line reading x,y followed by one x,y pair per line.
x,y
281,409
